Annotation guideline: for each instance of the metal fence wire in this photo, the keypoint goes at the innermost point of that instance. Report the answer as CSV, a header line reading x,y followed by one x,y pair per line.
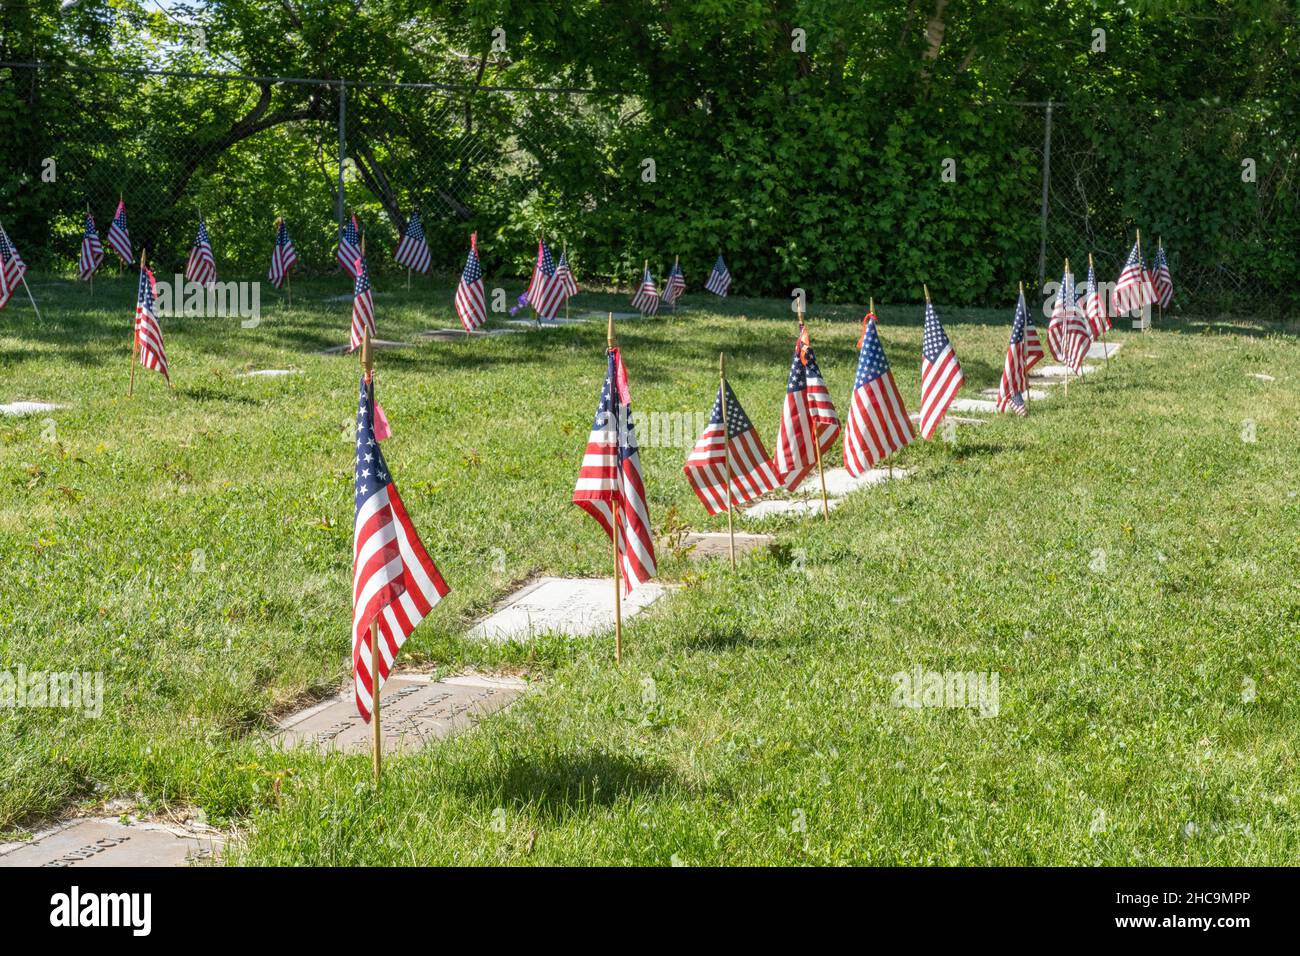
x,y
244,150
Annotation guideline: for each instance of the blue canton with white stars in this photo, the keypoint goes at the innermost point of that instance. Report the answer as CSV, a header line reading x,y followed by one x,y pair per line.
x,y
935,340
1018,326
737,420
144,297
371,470
414,229
872,363
473,271
350,231
548,264
799,372
610,406
363,279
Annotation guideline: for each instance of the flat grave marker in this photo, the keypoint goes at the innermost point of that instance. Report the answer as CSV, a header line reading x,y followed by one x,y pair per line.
x,y
773,507
571,606
28,408
268,373
1099,350
1060,371
100,842
618,316
381,344
978,406
414,710
460,335
716,544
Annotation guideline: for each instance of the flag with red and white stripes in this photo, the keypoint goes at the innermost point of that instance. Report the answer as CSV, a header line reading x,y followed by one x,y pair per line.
x,y
1162,281
610,486
564,276
1133,289
92,250
1061,305
1013,389
119,240
1094,305
941,374
736,447
1033,344
471,306
148,332
646,300
807,417
878,424
349,248
674,285
12,268
283,255
1068,334
363,304
201,267
413,250
394,581
719,280
545,294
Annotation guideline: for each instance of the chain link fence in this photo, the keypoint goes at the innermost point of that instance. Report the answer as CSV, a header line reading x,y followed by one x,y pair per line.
x,y
244,150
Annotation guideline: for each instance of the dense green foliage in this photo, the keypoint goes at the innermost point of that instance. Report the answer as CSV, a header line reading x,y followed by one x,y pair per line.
x,y
805,138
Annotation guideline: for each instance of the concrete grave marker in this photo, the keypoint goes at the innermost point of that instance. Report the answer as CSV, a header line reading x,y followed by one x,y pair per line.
x,y
774,507
955,419
1059,371
1099,350
1035,394
108,842
28,408
976,405
460,335
716,544
414,710
381,344
839,482
268,373
604,315
571,606
547,323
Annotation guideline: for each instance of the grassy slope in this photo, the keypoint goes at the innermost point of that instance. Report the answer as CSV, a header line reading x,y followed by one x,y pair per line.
x,y
1121,690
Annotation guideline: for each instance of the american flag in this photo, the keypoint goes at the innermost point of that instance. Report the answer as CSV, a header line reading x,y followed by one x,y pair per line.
x,y
646,299
1015,370
11,262
752,472
610,487
1061,307
808,410
941,374
1162,280
148,333
118,238
564,276
1133,289
1094,306
349,250
394,581
719,280
92,250
6,290
413,250
1069,337
1033,345
363,304
201,268
283,255
545,294
674,286
878,422
471,306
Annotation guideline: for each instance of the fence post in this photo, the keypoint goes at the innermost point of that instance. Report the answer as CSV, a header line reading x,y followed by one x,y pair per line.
x,y
1047,179
343,147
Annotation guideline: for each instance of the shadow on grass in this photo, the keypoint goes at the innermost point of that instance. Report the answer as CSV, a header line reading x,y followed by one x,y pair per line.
x,y
558,785
720,638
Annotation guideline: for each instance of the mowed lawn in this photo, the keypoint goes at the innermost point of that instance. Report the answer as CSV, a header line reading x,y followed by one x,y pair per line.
x,y
1124,560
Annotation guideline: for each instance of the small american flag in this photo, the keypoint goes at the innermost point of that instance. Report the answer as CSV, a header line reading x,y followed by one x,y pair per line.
x,y
1068,334
752,472
92,250
119,240
808,411
610,486
349,250
646,299
10,261
545,294
394,581
941,374
283,255
564,276
674,286
1015,370
148,333
363,304
1033,345
1162,280
1094,306
413,250
471,306
1063,303
201,267
1133,289
719,280
878,423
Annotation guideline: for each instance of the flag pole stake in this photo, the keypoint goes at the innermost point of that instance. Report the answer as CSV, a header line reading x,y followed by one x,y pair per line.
x,y
726,453
618,593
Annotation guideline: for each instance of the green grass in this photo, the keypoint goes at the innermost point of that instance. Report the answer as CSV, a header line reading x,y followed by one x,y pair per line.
x,y
1121,680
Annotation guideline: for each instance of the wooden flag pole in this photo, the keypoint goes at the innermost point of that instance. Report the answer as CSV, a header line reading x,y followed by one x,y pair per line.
x,y
1105,349
618,588
377,741
817,439
677,260
1049,336
1146,326
1160,309
726,452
